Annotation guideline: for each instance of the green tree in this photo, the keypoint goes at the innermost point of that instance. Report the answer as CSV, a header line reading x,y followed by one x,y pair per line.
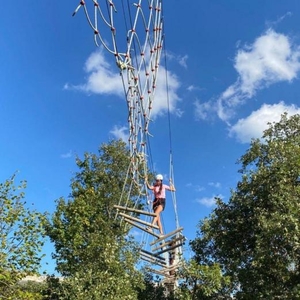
x,y
30,290
53,289
93,250
21,238
255,236
154,289
202,281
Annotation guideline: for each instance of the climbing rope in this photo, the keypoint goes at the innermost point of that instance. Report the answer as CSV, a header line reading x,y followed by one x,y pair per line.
x,y
132,32
171,167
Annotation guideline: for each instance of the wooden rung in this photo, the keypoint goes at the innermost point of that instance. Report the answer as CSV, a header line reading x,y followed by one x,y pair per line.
x,y
145,255
159,272
167,270
166,235
173,267
169,243
145,252
168,249
162,272
138,220
142,228
143,212
156,258
153,261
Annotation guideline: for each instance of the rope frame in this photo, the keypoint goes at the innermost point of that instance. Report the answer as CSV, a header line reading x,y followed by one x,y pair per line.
x,y
138,61
137,52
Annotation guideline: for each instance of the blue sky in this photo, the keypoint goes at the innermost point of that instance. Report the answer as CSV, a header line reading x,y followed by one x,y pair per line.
x,y
232,66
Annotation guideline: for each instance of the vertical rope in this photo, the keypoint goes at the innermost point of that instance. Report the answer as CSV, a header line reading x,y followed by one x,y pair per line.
x,y
138,61
171,174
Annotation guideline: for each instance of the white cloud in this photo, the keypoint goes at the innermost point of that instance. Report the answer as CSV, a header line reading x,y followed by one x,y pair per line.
x,y
215,184
101,78
270,59
208,201
182,61
120,133
192,87
203,111
67,155
254,125
166,99
104,78
199,188
279,20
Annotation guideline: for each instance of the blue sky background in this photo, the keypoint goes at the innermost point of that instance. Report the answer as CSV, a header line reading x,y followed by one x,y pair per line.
x,y
233,66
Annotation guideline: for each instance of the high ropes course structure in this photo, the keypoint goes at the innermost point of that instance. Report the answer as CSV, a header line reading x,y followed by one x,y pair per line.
x,y
132,32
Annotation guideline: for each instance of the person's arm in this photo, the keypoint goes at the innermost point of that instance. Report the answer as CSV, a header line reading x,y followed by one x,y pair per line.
x,y
148,185
172,187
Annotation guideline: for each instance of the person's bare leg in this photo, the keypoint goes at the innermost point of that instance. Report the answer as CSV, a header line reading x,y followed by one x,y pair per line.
x,y
159,225
156,219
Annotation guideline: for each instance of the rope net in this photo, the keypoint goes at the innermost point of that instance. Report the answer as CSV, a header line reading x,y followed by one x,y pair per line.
x,y
132,32
136,48
137,52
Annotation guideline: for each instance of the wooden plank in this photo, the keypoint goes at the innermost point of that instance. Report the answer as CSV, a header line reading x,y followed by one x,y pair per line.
x,y
173,267
160,272
153,261
168,249
143,212
163,272
169,243
138,220
166,235
142,228
153,258
152,254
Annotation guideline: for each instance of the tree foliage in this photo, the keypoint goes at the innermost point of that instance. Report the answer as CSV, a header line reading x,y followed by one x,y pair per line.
x,y
30,290
255,236
154,289
92,249
202,281
21,238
